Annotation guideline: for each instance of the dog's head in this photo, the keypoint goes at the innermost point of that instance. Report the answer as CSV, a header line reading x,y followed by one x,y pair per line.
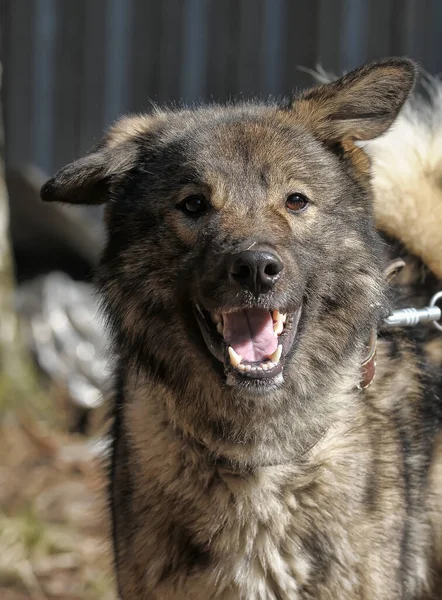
x,y
241,237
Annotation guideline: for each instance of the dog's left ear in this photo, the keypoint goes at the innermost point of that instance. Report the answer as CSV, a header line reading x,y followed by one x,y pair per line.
x,y
362,105
89,180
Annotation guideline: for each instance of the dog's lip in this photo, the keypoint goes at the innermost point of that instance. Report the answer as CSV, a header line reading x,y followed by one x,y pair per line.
x,y
220,350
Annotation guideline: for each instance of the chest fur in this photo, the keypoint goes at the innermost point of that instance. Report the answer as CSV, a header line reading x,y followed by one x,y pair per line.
x,y
282,532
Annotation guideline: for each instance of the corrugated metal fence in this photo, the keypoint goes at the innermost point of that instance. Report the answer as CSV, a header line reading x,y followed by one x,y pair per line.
x,y
72,66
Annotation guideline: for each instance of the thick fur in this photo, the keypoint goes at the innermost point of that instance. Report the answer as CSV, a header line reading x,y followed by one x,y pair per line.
x,y
301,488
407,176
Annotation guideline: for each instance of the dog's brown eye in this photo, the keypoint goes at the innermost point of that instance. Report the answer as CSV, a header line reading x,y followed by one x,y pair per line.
x,y
296,202
193,206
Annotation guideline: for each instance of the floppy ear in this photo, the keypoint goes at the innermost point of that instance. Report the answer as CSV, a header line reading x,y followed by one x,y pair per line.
x,y
89,179
361,105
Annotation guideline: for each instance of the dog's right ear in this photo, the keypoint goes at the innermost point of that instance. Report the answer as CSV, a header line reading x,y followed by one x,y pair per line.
x,y
361,105
88,180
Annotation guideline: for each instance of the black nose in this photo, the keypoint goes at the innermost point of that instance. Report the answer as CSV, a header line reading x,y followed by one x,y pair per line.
x,y
257,270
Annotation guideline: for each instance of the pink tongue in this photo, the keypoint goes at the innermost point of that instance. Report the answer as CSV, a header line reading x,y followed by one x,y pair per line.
x,y
250,333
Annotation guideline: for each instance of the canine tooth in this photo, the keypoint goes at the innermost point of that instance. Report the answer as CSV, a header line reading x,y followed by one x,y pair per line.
x,y
275,357
235,358
277,316
220,328
216,317
278,327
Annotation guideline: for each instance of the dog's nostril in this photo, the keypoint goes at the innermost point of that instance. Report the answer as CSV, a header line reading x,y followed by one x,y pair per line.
x,y
242,271
272,269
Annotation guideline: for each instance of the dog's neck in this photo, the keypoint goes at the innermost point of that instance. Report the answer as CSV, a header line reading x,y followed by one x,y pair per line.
x,y
237,432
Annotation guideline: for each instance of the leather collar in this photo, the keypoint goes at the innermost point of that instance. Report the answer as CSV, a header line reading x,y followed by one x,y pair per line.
x,y
368,366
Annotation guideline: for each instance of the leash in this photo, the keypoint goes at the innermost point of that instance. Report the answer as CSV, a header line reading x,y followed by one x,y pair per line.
x,y
403,317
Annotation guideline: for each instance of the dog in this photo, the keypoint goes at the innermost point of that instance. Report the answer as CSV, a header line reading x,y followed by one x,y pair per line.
x,y
269,441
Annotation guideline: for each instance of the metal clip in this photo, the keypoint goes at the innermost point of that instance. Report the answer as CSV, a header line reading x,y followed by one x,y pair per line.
x,y
433,303
409,317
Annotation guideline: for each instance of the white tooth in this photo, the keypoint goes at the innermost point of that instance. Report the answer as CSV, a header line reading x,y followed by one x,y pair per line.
x,y
254,368
277,316
235,358
220,328
278,327
265,366
271,365
247,367
241,367
275,357
216,317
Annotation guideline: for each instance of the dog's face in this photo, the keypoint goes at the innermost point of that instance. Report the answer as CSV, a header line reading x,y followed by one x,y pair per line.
x,y
241,238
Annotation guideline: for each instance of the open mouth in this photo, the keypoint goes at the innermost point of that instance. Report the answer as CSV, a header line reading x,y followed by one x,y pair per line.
x,y
251,342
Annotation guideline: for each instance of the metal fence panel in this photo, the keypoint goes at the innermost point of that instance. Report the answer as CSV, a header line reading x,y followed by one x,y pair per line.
x,y
72,66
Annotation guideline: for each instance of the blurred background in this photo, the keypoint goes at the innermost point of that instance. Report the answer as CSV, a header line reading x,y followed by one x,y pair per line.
x,y
69,69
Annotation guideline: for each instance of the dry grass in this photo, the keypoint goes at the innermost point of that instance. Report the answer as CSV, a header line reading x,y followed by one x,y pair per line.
x,y
53,541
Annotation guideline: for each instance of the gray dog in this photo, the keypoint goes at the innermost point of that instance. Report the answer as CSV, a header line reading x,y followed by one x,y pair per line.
x,y
243,279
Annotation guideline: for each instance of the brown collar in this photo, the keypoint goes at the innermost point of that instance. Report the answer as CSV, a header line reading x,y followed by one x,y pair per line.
x,y
368,367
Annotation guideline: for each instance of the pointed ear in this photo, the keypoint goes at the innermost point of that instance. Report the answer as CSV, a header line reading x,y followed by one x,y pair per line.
x,y
362,105
89,179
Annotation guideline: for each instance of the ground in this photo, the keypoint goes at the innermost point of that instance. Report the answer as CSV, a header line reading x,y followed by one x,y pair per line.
x,y
53,542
